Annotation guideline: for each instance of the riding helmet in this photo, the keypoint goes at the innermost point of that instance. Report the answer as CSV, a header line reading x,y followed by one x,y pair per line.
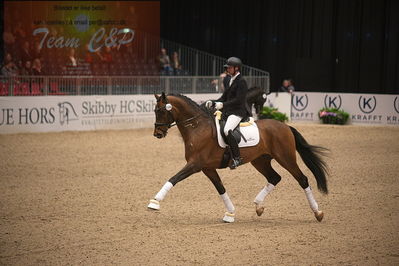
x,y
233,61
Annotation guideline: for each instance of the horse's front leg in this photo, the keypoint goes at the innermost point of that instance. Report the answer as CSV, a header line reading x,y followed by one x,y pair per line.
x,y
217,182
188,170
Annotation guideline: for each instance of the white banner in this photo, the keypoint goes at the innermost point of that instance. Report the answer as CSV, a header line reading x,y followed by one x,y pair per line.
x,y
281,101
63,113
60,113
364,109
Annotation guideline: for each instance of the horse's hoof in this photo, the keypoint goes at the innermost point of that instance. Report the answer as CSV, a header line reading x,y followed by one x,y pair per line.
x,y
228,217
319,215
260,210
154,205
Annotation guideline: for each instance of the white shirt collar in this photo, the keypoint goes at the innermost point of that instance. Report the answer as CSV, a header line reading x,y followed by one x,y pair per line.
x,y
233,78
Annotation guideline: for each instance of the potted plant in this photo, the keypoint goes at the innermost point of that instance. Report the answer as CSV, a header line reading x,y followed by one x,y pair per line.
x,y
272,113
333,116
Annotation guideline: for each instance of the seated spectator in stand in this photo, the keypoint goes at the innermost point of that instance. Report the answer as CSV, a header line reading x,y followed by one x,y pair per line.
x,y
20,65
287,86
9,68
37,67
164,61
176,63
26,69
25,54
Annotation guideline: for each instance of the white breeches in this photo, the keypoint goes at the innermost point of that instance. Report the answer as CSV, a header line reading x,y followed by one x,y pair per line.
x,y
231,123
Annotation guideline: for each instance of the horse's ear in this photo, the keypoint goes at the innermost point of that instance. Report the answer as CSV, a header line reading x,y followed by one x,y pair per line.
x,y
163,97
157,97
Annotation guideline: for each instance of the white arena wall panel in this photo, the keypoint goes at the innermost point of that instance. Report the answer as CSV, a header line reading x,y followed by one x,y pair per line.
x,y
364,109
80,113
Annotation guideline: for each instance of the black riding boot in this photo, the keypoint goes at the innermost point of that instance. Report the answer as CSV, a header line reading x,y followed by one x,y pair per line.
x,y
236,160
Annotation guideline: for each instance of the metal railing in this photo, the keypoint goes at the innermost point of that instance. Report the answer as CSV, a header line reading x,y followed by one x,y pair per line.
x,y
116,85
202,63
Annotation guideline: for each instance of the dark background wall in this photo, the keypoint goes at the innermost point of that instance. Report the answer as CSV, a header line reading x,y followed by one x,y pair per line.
x,y
324,45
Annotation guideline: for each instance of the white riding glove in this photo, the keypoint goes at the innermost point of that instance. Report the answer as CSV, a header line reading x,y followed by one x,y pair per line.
x,y
209,104
218,105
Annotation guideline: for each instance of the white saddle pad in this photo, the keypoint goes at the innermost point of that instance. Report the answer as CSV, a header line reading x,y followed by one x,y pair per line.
x,y
251,134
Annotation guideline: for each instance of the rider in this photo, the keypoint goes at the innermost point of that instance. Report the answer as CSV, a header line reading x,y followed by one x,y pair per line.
x,y
234,104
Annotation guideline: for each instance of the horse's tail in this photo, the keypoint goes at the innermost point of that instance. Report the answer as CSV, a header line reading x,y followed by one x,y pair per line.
x,y
312,157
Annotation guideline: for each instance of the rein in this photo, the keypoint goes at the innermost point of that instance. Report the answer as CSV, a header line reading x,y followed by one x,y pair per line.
x,y
175,123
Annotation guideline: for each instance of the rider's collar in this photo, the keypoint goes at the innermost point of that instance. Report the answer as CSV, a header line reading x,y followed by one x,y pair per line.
x,y
234,77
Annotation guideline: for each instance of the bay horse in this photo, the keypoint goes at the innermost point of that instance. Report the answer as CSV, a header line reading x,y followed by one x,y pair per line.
x,y
202,152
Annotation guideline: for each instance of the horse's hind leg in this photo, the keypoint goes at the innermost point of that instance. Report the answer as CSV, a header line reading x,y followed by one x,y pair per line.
x,y
217,182
289,163
263,165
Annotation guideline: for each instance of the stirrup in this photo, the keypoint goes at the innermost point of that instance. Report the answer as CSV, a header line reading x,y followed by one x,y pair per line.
x,y
235,162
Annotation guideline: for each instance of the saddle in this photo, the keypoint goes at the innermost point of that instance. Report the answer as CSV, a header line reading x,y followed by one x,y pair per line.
x,y
246,135
236,131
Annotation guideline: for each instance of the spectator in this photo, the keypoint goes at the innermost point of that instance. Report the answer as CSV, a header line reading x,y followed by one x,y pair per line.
x,y
165,62
219,83
9,68
20,65
26,69
176,63
287,86
37,67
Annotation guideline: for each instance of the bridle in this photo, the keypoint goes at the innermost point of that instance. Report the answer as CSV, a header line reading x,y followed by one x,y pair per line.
x,y
185,122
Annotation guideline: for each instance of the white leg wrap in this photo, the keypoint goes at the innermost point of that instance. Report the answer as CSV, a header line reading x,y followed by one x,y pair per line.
x,y
164,190
227,202
311,200
263,193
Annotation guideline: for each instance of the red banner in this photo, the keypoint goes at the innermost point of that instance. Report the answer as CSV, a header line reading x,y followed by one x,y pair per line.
x,y
82,37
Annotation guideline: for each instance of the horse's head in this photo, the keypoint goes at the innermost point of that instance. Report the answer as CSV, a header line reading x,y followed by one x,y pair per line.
x,y
163,116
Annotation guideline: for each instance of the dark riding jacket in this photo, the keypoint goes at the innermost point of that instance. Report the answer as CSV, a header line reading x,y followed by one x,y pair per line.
x,y
234,98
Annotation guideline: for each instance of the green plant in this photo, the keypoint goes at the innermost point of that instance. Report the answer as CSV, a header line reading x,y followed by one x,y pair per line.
x,y
333,116
272,113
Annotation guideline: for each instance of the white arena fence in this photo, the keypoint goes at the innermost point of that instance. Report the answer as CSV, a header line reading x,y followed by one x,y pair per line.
x,y
96,112
116,85
364,109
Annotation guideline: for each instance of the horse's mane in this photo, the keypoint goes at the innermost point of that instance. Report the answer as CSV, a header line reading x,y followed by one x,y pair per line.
x,y
254,88
200,108
254,92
